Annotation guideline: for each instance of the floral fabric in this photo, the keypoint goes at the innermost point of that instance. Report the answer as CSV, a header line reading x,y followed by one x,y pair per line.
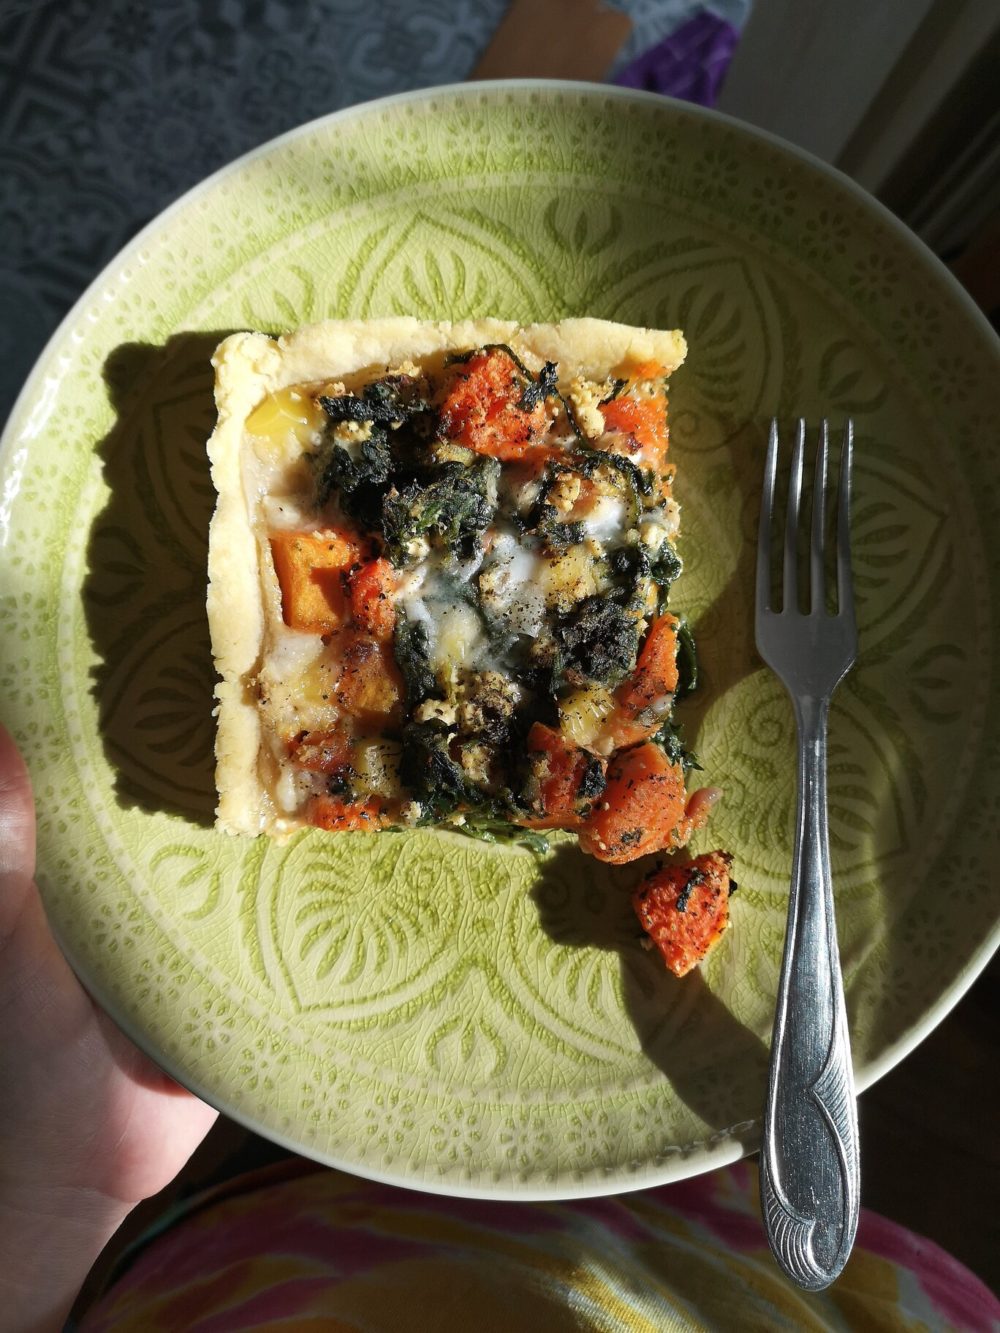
x,y
110,109
300,1247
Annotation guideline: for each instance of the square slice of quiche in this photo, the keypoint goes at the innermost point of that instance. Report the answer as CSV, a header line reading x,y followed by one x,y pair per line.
x,y
439,579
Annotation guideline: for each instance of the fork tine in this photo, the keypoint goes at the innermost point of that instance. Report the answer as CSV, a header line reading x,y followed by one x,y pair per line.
x,y
845,588
816,562
764,529
790,595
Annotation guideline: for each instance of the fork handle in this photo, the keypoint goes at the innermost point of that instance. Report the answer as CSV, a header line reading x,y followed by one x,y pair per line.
x,y
810,1170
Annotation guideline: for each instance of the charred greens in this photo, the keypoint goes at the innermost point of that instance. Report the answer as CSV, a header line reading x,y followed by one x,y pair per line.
x,y
598,640
452,509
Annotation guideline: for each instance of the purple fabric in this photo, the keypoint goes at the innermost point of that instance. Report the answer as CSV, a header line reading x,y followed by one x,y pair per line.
x,y
691,63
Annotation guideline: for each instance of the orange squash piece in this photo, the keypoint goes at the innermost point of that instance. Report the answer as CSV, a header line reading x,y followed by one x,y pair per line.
x,y
370,688
643,700
336,815
645,370
654,680
482,412
685,908
641,810
558,772
311,567
371,590
644,421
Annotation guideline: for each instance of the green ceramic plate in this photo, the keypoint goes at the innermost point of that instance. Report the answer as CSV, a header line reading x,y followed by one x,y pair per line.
x,y
423,1008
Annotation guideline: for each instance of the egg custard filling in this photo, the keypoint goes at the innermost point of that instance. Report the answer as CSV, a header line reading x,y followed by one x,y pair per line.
x,y
440,572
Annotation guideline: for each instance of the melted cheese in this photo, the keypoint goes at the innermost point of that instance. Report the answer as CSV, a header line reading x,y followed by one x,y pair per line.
x,y
430,595
511,585
606,519
284,513
291,652
659,525
294,786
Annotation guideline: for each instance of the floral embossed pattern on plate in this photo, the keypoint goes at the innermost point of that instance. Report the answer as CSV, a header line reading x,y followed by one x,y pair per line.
x,y
421,1007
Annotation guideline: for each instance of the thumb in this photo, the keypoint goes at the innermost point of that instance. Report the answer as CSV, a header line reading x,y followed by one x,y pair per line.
x,y
17,833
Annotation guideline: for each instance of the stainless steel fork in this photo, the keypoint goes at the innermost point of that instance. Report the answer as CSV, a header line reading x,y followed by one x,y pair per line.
x,y
809,1177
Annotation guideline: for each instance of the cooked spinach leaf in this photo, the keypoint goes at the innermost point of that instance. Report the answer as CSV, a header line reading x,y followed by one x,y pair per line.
x,y
387,402
555,531
641,480
630,568
598,640
670,738
453,508
695,878
359,479
666,565
687,660
491,828
441,785
574,424
593,781
540,388
429,772
628,564
411,647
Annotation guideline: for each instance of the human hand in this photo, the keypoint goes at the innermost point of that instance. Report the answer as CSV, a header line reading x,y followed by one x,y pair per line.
x,y
88,1125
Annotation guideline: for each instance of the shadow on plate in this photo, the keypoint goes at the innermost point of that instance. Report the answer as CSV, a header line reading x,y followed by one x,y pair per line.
x,y
144,595
724,631
715,1064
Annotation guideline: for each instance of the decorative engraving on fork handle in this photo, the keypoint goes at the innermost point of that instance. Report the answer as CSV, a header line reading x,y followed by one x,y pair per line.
x,y
810,1174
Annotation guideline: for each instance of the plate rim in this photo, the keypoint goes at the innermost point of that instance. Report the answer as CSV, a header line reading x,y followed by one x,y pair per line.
x,y
724,1146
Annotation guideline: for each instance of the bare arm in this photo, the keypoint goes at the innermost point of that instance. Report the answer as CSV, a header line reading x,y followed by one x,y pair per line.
x,y
88,1125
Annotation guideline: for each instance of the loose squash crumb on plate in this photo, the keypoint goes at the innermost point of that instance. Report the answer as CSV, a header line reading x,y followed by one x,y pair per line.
x,y
684,908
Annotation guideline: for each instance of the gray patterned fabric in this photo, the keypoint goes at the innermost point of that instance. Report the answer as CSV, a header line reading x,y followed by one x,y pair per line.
x,y
109,109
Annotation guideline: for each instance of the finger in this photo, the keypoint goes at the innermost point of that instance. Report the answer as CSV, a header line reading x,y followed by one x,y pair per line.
x,y
42,1005
134,1063
17,832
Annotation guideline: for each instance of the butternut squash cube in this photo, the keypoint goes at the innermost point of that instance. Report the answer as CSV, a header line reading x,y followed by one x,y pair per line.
x,y
310,567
